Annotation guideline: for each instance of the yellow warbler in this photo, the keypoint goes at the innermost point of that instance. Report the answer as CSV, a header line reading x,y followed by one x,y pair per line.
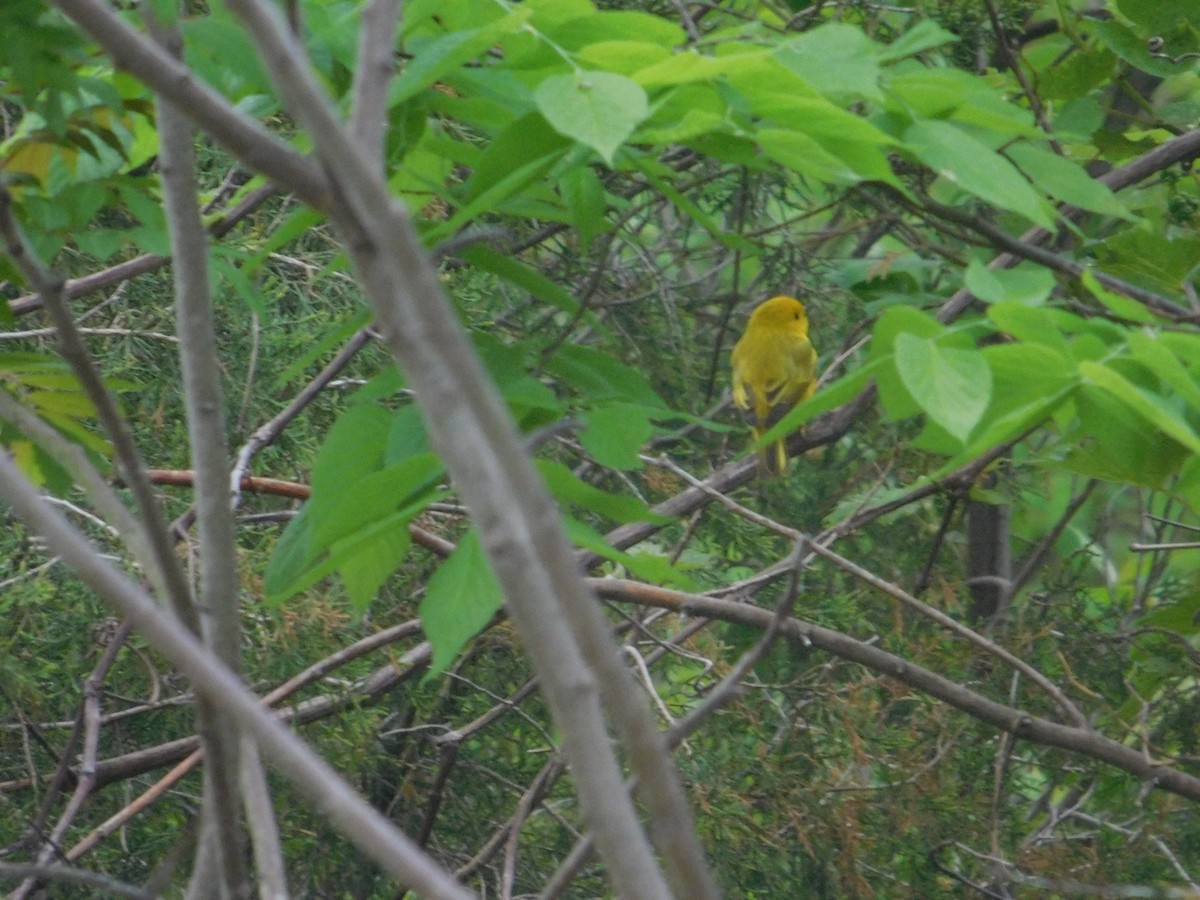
x,y
774,368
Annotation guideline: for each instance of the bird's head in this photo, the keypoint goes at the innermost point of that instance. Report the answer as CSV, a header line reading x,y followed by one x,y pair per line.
x,y
780,312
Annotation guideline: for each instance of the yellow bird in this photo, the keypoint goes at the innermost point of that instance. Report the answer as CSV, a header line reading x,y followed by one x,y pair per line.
x,y
774,368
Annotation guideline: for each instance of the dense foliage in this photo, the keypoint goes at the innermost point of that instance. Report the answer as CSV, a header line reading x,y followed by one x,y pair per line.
x,y
977,582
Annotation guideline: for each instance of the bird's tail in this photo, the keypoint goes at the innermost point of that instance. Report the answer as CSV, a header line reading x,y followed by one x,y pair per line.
x,y
772,459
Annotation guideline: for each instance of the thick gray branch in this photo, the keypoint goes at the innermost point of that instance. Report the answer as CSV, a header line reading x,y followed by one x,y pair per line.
x,y
376,64
226,770
559,623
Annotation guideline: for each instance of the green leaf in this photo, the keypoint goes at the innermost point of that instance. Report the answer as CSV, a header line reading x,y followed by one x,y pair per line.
x,y
597,109
461,598
1077,120
894,397
1066,180
898,320
1032,325
1155,355
1131,47
408,484
1113,442
527,139
510,185
1181,616
530,402
925,35
649,567
972,165
365,560
1121,305
101,243
1024,373
600,376
803,155
586,200
1148,406
1157,16
995,119
622,57
570,489
518,273
1159,258
845,141
682,114
688,66
931,92
406,436
614,434
838,60
1026,284
952,386
437,57
581,31
854,140
1073,77
360,531
20,361
290,557
220,50
352,450
1187,486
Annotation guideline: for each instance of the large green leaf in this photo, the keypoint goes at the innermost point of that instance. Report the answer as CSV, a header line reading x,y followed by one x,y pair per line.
x,y
1118,303
366,559
1157,16
353,449
584,29
360,531
1033,325
599,376
525,140
952,386
1027,284
614,434
586,200
523,276
460,599
895,398
837,59
434,58
1150,407
805,156
925,35
1112,441
690,66
1066,180
931,92
353,504
1155,355
622,57
969,163
597,109
569,488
